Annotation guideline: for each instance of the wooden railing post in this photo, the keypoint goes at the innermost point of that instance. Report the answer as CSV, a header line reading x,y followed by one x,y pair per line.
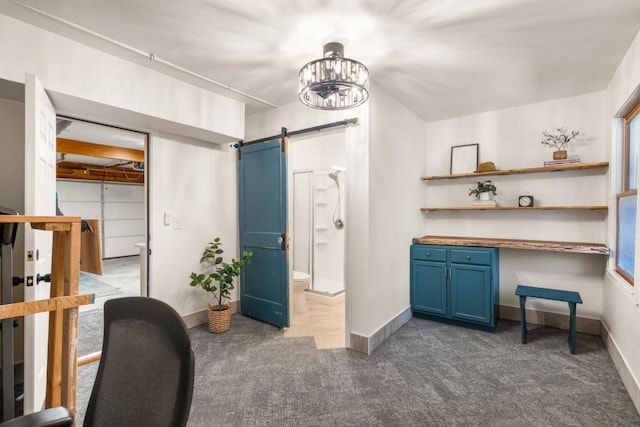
x,y
70,319
63,306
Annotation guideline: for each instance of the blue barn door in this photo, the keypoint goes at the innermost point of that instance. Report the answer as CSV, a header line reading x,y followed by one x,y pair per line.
x,y
262,170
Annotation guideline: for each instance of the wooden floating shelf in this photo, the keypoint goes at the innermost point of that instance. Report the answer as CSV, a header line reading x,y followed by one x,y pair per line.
x,y
517,208
545,245
568,167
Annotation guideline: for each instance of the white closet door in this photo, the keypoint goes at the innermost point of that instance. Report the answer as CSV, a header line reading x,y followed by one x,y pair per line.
x,y
39,199
80,198
124,215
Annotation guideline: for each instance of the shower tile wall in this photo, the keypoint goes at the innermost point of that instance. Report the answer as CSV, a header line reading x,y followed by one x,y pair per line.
x,y
318,247
328,248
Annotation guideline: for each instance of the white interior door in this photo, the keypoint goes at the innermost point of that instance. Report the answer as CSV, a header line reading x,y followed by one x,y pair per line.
x,y
39,199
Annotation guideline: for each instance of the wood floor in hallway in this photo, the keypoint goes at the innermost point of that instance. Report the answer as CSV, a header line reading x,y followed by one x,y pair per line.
x,y
325,323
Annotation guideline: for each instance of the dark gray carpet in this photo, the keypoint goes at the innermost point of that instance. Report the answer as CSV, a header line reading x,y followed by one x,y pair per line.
x,y
427,373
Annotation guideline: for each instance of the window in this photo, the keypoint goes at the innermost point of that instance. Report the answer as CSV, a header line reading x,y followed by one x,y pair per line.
x,y
626,200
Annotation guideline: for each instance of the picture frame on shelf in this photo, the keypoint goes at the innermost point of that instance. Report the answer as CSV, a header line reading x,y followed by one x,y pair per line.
x,y
464,158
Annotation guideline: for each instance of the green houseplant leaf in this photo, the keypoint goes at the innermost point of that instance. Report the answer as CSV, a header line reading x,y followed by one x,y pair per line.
x,y
218,277
483,187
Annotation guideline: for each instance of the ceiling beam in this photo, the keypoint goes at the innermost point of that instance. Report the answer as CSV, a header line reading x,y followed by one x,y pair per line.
x,y
71,146
87,172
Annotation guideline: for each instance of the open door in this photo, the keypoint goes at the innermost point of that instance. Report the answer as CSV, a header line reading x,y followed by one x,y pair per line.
x,y
39,199
262,179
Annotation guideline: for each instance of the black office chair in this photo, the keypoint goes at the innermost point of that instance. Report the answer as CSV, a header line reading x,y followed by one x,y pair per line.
x,y
146,371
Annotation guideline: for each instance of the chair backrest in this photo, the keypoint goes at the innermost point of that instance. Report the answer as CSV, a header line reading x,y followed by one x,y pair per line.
x,y
146,371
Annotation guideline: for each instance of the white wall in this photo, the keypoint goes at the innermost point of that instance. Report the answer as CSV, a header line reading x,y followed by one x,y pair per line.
x,y
80,77
397,160
620,312
87,83
320,151
511,139
196,183
301,222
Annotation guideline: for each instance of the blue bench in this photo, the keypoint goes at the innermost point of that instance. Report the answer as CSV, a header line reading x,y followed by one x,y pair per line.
x,y
571,297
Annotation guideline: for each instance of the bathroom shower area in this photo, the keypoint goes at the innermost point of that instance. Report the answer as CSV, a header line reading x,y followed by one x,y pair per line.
x,y
319,230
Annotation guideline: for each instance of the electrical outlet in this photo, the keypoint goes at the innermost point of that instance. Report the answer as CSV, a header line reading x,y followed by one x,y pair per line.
x,y
177,222
167,218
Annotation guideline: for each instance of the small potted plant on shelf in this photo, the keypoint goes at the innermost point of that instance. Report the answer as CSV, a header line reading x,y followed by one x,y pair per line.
x,y
484,190
559,141
218,278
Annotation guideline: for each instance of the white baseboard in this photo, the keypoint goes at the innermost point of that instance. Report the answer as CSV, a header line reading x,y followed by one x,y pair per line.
x,y
324,299
628,379
554,320
368,344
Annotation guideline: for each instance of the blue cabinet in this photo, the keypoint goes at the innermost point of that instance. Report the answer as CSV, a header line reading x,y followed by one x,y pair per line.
x,y
456,284
432,298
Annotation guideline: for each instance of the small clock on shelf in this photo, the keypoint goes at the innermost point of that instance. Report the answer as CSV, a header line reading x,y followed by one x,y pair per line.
x,y
525,201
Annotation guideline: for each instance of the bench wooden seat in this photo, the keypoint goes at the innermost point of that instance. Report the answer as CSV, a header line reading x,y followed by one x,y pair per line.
x,y
571,297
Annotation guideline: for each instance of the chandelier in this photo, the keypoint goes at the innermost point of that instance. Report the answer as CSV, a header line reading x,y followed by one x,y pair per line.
x,y
333,82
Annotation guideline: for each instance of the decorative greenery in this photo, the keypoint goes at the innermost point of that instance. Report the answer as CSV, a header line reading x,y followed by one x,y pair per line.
x,y
559,141
219,275
483,187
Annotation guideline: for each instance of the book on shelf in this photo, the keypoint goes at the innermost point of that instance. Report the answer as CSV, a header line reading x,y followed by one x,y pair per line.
x,y
562,162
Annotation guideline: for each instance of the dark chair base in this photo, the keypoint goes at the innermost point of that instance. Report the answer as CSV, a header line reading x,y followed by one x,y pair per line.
x,y
52,417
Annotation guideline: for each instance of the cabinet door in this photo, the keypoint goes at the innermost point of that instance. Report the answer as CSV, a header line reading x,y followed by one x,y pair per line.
x,y
429,287
471,293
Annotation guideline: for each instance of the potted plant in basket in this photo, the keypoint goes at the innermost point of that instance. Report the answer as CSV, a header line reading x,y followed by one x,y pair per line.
x,y
484,190
218,279
559,141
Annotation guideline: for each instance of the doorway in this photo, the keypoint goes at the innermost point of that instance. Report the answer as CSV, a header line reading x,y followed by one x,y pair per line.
x,y
100,174
318,228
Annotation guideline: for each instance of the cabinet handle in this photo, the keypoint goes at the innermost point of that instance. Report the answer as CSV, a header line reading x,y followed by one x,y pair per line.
x,y
445,271
468,257
449,271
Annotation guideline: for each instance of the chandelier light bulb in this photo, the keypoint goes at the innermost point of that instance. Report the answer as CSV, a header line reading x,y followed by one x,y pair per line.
x,y
333,82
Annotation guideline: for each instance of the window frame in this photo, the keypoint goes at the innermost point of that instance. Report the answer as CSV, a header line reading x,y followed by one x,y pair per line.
x,y
619,270
626,144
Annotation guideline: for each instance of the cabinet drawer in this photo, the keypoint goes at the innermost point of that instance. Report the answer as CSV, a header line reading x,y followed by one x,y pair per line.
x,y
428,254
470,257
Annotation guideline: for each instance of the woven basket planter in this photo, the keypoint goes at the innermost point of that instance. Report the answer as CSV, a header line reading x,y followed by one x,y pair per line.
x,y
219,318
560,155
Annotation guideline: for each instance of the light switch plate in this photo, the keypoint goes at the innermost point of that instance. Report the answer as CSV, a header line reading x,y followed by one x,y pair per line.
x,y
167,218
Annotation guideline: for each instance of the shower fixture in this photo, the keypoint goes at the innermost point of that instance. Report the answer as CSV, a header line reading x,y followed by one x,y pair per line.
x,y
337,222
334,176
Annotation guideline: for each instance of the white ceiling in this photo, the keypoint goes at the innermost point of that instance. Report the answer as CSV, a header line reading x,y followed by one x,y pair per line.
x,y
441,58
79,130
101,134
